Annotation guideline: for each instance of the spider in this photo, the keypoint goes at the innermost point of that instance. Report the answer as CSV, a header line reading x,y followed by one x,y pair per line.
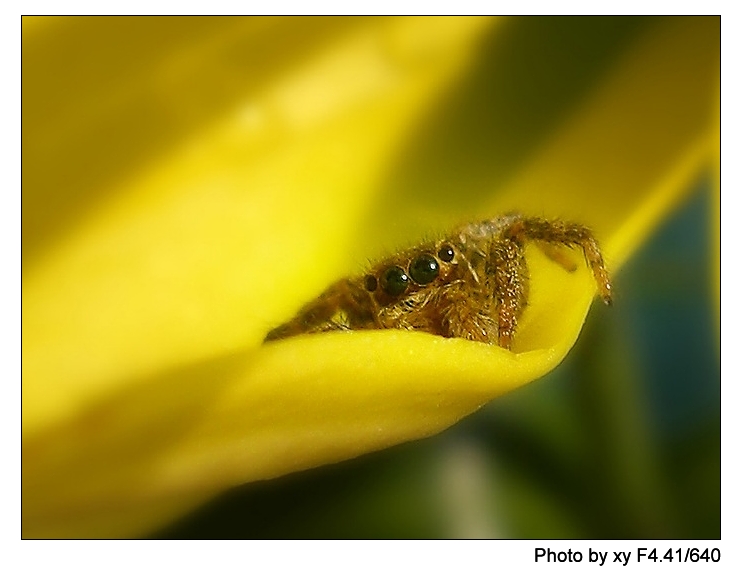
x,y
473,284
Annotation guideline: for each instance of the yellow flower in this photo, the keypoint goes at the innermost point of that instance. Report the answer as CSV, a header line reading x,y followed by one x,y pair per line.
x,y
189,183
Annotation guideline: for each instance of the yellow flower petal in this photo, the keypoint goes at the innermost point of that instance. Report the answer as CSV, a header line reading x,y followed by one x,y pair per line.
x,y
194,256
145,387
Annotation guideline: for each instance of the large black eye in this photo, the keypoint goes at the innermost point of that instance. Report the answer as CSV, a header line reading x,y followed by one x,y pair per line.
x,y
371,283
424,269
394,281
446,253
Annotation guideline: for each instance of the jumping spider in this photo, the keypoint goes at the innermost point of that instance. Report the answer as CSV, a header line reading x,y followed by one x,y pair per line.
x,y
472,284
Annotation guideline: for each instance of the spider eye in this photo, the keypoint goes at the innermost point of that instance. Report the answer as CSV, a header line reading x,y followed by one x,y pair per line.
x,y
446,253
394,281
424,269
371,283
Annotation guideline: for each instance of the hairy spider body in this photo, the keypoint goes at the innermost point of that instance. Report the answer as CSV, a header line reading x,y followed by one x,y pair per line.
x,y
472,284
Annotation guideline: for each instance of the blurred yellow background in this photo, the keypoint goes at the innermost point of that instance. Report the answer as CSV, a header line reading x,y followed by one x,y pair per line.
x,y
189,182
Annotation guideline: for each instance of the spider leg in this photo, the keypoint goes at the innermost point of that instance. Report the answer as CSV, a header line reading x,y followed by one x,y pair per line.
x,y
557,255
466,312
507,266
343,306
567,234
